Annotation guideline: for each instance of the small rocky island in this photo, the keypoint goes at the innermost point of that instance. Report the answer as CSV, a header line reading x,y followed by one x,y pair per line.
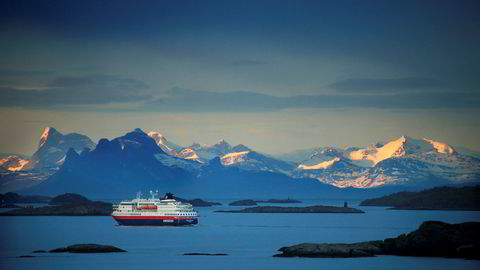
x,y
306,209
431,239
243,203
439,198
88,248
68,204
198,202
69,198
13,198
72,204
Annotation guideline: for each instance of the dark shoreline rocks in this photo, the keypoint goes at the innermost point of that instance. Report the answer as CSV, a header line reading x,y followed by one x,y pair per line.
x,y
439,198
87,248
310,250
243,203
431,239
307,209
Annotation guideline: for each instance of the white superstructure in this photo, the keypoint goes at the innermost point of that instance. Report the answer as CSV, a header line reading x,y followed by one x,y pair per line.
x,y
154,211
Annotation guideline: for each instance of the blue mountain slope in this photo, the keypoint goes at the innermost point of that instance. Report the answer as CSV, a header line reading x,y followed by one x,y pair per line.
x,y
120,167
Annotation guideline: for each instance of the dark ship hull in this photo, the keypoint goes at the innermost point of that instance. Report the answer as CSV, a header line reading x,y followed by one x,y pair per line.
x,y
154,221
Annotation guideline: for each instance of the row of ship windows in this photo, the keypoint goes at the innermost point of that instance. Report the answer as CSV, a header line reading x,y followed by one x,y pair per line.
x,y
172,214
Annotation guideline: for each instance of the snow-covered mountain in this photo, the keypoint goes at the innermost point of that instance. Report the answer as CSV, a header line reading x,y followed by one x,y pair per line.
x,y
53,147
121,166
195,152
47,159
204,153
168,147
251,160
401,147
208,152
404,160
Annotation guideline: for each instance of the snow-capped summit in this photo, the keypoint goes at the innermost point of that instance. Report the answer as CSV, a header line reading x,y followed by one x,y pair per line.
x,y
207,152
251,160
53,147
400,147
321,165
189,153
44,136
158,137
162,142
441,147
233,158
49,136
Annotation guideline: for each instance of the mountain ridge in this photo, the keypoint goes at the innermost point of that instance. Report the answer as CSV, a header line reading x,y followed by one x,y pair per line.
x,y
404,161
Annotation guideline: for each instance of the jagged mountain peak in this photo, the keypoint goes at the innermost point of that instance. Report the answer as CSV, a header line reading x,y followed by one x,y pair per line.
x,y
48,134
167,147
235,157
322,165
222,144
222,141
441,147
71,153
240,148
157,136
400,147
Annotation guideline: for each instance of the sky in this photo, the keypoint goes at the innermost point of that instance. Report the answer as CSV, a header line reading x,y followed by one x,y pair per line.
x,y
274,75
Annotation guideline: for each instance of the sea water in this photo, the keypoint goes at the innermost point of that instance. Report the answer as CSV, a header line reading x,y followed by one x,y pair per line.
x,y
250,240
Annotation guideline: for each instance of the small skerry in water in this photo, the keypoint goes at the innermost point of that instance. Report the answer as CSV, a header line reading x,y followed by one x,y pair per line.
x,y
155,212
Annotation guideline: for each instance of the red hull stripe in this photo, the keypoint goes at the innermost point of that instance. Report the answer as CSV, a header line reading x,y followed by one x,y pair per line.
x,y
151,218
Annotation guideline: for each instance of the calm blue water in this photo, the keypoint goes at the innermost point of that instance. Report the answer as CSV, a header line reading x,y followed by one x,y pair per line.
x,y
249,239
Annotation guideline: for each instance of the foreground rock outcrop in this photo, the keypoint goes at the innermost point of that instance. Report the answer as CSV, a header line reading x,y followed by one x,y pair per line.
x,y
362,249
307,209
88,248
431,239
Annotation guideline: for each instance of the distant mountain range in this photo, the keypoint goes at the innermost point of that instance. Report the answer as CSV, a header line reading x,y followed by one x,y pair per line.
x,y
20,172
142,161
404,161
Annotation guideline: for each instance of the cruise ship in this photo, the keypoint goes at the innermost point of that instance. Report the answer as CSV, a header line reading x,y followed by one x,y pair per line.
x,y
154,211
